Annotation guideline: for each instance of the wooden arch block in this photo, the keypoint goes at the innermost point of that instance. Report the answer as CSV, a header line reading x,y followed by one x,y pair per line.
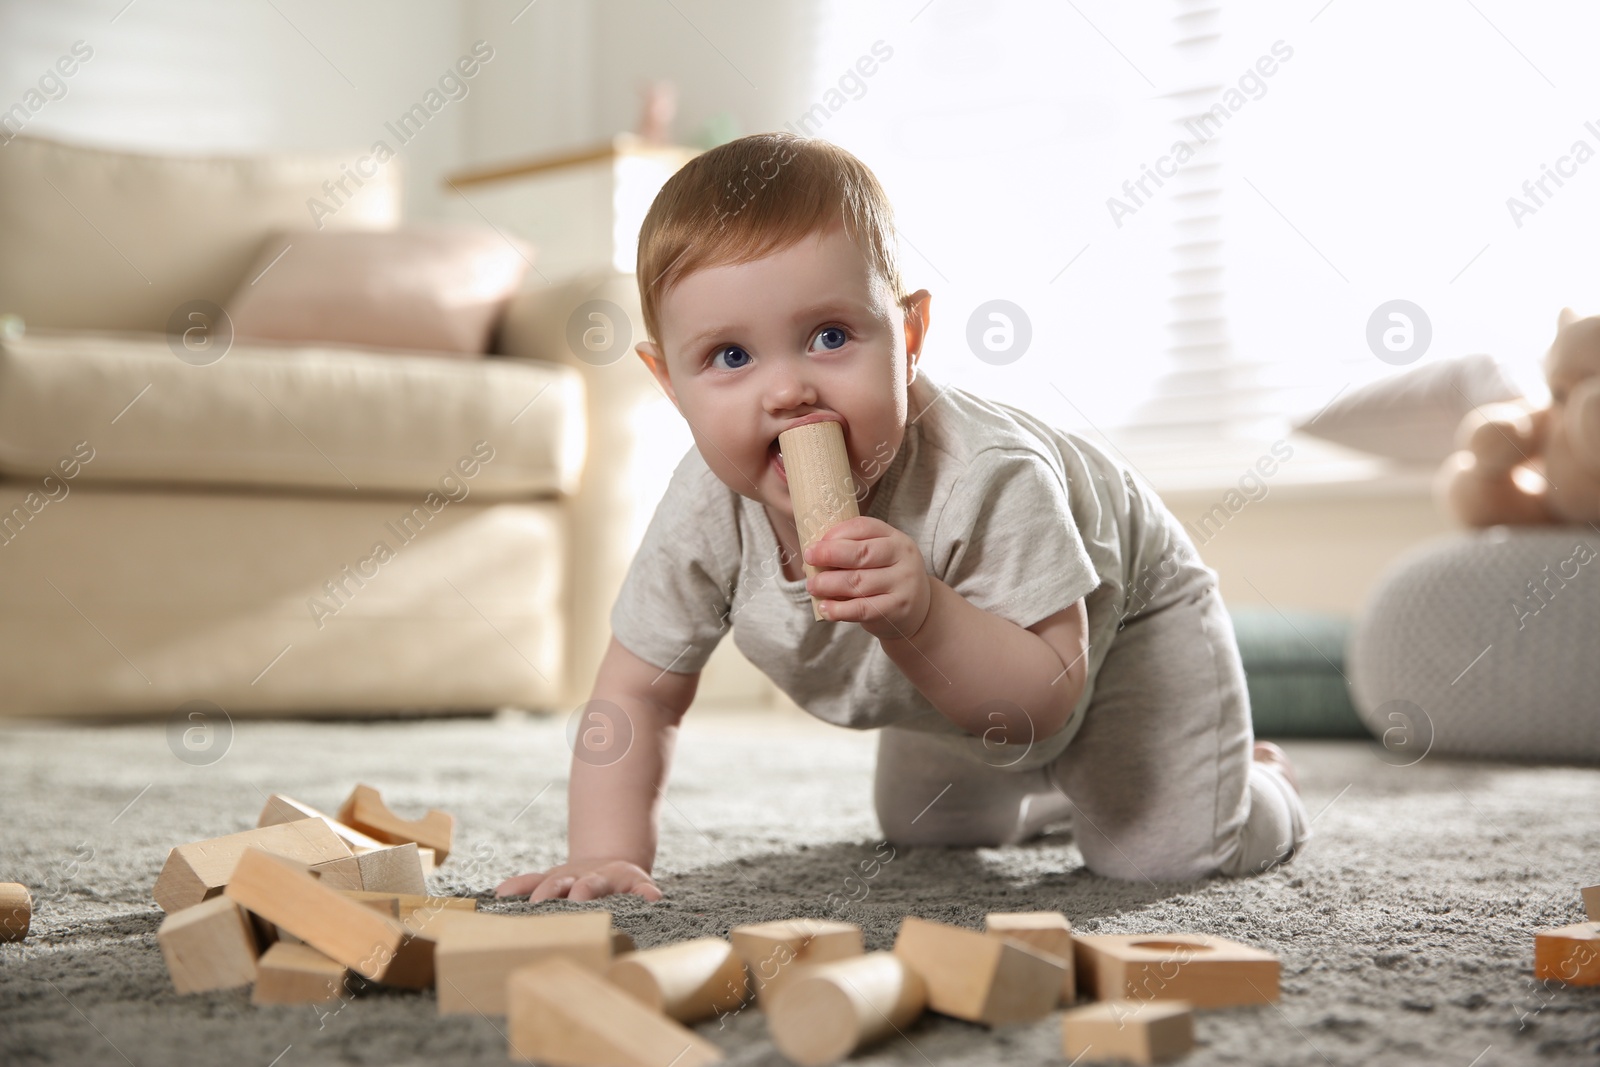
x,y
365,811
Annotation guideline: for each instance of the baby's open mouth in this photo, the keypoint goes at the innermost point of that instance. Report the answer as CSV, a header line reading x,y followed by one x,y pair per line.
x,y
775,455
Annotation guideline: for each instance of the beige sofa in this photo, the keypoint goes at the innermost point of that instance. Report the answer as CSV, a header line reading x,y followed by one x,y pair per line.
x,y
172,531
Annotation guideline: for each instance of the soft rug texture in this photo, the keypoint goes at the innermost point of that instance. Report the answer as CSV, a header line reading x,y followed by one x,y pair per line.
x,y
1405,929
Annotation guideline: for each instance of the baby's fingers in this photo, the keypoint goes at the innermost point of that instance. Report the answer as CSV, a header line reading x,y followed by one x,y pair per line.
x,y
519,885
551,888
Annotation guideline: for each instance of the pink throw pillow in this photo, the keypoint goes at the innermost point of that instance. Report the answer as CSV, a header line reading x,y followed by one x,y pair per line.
x,y
438,288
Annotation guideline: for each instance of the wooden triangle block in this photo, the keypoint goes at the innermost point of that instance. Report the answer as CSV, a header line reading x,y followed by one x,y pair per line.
x,y
1047,932
350,932
366,811
198,871
978,978
1206,971
564,1015
1128,1031
281,809
209,946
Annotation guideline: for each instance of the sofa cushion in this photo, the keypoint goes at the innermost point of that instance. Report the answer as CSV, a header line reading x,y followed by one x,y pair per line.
x,y
288,416
98,239
439,288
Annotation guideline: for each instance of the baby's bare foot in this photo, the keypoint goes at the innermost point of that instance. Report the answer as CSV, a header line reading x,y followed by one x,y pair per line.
x,y
1267,752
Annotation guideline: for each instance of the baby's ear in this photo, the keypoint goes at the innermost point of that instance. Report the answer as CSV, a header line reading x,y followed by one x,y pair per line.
x,y
656,363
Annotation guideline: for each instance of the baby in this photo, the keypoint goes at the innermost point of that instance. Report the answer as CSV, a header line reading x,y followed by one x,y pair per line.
x,y
1025,623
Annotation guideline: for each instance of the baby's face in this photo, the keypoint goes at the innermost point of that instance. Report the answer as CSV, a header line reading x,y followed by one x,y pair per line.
x,y
750,349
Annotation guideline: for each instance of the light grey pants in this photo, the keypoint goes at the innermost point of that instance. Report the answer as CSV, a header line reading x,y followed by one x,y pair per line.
x,y
1159,780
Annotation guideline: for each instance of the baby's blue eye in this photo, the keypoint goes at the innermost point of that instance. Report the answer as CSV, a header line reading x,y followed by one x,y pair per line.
x,y
832,337
725,351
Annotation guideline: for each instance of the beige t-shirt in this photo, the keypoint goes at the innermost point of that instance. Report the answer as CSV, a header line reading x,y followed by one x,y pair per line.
x,y
1020,518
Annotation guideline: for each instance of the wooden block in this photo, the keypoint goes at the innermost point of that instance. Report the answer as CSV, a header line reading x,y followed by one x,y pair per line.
x,y
16,911
1136,1031
621,941
297,974
282,809
1208,972
776,951
1569,954
393,869
366,811
409,904
833,1009
565,1015
688,981
821,489
476,952
978,978
343,873
350,932
1048,932
198,871
430,861
1591,902
209,946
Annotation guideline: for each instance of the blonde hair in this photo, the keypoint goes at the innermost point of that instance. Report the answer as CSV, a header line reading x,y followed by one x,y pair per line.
x,y
754,196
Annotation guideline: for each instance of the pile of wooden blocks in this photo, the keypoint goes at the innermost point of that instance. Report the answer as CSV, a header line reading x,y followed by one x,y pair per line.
x,y
1571,954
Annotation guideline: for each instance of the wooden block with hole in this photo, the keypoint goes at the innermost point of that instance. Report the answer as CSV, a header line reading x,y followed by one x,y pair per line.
x,y
198,871
1591,902
833,1009
776,951
297,974
563,1014
282,809
1206,971
973,976
687,981
374,945
1569,954
476,952
16,911
1128,1031
208,946
365,810
1049,932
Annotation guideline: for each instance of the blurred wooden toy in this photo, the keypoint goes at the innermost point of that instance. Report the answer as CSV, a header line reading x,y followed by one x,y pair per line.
x,y
198,871
820,486
833,1009
976,977
776,951
1135,1031
1048,932
375,946
365,811
688,981
1208,972
297,974
16,911
1569,954
1591,902
563,1014
476,952
208,946
408,905
282,809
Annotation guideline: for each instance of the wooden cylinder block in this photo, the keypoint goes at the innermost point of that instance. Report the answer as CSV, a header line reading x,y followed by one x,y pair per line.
x,y
820,486
16,911
688,981
833,1009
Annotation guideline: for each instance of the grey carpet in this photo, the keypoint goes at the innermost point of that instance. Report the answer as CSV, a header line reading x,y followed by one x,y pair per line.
x,y
1405,931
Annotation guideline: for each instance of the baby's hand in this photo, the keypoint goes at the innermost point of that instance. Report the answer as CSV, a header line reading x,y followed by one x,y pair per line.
x,y
880,581
583,880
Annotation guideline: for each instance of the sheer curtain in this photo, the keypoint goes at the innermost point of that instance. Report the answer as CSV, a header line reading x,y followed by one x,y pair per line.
x,y
1186,306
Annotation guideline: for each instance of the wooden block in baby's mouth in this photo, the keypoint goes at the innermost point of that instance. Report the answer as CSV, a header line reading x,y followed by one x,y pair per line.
x,y
820,486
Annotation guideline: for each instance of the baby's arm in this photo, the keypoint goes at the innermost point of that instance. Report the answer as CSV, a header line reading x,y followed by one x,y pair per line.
x,y
613,808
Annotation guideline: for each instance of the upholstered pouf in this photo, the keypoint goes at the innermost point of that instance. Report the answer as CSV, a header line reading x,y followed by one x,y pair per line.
x,y
1485,644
